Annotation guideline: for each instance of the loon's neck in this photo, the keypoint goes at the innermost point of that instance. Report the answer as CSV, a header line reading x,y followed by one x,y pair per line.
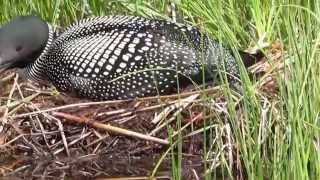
x,y
36,71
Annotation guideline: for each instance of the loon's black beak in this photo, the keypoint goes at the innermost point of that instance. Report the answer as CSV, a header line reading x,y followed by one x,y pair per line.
x,y
2,68
4,65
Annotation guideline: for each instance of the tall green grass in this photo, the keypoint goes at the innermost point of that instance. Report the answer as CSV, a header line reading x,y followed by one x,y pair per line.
x,y
272,137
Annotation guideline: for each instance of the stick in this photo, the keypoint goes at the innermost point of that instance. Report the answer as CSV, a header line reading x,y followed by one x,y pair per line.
x,y
4,119
107,127
214,89
70,106
183,103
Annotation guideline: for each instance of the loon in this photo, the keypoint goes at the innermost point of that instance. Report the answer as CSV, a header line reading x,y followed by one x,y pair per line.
x,y
114,57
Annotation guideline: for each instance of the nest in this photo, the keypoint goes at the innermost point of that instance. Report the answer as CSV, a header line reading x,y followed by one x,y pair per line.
x,y
44,134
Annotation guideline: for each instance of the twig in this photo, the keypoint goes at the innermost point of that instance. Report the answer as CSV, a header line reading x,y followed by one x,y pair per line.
x,y
134,178
199,116
22,168
125,119
181,105
195,174
60,128
4,119
72,143
18,103
7,78
229,145
149,108
264,119
173,11
11,141
107,127
42,130
97,140
210,90
109,113
64,140
78,105
181,95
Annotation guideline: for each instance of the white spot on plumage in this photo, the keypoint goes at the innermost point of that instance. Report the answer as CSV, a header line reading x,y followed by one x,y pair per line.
x,y
141,35
89,56
136,41
109,67
132,45
122,45
145,48
126,39
100,63
88,70
92,64
118,70
123,65
131,49
112,60
97,56
117,52
125,57
137,58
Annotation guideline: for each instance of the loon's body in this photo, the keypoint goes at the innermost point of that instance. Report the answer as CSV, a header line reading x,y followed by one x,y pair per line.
x,y
113,57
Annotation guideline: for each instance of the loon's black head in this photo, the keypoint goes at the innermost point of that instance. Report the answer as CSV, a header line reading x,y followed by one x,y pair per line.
x,y
21,41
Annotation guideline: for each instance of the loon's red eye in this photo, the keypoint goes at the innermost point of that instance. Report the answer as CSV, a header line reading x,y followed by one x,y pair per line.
x,y
18,48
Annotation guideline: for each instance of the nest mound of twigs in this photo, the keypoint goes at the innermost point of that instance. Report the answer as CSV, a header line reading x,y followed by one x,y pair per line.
x,y
47,135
